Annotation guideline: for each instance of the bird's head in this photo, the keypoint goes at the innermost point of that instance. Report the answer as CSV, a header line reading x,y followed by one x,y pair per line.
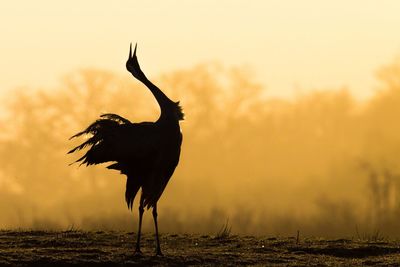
x,y
132,65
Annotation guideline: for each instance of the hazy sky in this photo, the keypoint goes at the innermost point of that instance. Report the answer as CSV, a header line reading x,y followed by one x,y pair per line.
x,y
289,45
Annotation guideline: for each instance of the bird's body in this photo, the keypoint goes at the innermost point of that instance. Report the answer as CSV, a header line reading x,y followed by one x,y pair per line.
x,y
147,152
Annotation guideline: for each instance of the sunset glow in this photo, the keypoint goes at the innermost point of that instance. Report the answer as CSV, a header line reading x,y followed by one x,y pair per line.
x,y
290,47
291,112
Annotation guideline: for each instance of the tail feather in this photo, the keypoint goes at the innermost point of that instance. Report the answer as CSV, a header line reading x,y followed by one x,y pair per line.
x,y
119,167
132,187
91,141
106,120
115,117
100,151
102,148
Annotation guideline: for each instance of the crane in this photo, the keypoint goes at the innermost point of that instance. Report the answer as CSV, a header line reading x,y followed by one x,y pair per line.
x,y
146,152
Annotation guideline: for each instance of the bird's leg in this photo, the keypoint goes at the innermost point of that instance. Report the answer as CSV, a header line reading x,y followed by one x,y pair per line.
x,y
141,211
158,251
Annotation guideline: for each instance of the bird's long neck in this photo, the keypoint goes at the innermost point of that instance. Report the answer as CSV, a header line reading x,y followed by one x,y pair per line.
x,y
163,101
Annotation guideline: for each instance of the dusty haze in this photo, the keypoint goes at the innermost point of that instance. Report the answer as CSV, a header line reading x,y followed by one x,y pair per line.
x,y
321,163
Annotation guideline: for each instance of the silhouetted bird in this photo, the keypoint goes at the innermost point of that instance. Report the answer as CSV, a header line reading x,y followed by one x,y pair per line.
x,y
147,152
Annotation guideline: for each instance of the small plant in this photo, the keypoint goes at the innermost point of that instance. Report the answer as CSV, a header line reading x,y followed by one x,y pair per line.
x,y
374,236
72,229
225,231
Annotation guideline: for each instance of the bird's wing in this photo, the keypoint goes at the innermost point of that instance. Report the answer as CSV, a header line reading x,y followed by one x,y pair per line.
x,y
115,117
116,139
136,140
165,163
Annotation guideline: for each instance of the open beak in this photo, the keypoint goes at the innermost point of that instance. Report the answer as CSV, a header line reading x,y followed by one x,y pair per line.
x,y
130,51
134,52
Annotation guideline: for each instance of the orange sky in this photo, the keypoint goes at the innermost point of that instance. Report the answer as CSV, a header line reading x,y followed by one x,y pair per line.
x,y
290,45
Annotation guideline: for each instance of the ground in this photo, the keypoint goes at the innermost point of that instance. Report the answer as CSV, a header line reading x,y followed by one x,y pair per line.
x,y
109,248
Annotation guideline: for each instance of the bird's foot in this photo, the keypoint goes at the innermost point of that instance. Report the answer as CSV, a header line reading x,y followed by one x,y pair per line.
x,y
138,252
159,253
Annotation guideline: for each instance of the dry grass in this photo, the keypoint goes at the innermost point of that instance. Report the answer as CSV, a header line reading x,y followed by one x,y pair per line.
x,y
225,231
111,248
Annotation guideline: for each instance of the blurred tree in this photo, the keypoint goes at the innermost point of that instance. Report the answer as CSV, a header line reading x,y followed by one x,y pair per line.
x,y
239,149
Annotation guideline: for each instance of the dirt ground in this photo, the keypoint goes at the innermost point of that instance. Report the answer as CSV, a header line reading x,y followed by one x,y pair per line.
x,y
80,248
